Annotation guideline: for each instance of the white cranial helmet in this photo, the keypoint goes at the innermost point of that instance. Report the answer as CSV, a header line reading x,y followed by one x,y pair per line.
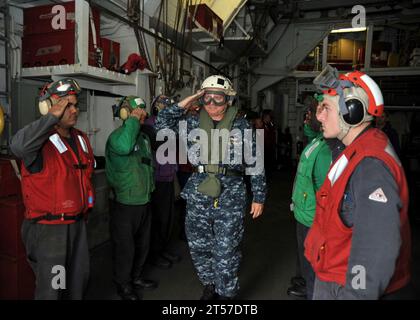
x,y
219,82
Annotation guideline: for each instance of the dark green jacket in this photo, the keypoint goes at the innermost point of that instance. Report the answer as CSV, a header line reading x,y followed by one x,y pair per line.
x,y
128,164
312,170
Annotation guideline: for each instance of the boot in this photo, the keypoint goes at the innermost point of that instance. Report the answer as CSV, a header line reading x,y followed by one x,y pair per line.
x,y
298,281
141,283
297,291
126,292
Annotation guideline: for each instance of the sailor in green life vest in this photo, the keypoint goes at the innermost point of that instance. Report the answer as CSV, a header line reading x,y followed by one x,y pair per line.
x,y
313,166
129,170
216,193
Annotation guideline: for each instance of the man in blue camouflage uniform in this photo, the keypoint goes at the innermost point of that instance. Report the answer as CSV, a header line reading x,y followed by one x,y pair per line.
x,y
216,193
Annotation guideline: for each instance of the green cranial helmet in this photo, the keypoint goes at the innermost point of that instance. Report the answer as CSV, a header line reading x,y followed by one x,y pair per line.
x,y
135,102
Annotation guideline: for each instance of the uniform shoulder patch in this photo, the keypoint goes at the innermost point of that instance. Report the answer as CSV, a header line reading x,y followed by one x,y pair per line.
x,y
378,195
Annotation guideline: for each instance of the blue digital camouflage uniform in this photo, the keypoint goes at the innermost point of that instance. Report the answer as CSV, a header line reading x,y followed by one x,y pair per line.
x,y
215,233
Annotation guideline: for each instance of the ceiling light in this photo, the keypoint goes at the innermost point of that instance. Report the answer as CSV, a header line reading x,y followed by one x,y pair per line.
x,y
348,30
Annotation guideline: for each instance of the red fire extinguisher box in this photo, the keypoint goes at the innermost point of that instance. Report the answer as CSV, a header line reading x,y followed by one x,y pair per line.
x,y
53,18
49,35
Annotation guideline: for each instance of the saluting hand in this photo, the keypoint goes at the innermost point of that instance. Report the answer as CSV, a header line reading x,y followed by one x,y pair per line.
x,y
58,109
138,113
256,209
191,101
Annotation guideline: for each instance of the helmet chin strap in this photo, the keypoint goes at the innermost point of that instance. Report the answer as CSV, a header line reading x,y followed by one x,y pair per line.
x,y
344,129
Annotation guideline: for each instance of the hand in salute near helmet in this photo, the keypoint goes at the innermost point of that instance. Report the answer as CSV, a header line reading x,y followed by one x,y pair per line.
x,y
191,102
140,114
58,109
215,193
359,244
57,160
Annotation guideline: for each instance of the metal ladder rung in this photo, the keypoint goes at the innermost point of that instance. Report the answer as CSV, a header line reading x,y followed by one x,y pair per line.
x,y
4,38
4,93
4,66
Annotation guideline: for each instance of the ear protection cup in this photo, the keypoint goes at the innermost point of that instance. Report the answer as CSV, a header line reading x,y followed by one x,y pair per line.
x,y
356,112
124,113
45,105
357,102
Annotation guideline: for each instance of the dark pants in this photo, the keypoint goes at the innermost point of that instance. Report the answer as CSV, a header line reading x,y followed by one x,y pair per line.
x,y
163,211
130,237
305,267
63,245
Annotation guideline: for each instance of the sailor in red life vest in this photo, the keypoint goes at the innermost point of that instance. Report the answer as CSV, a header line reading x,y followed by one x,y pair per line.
x,y
359,244
57,165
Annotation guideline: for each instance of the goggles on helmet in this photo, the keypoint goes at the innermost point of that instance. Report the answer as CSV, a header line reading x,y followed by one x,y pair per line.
x,y
328,78
331,83
65,87
61,88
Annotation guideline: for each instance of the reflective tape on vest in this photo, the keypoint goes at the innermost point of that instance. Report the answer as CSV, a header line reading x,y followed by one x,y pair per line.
x,y
83,144
338,169
58,143
311,149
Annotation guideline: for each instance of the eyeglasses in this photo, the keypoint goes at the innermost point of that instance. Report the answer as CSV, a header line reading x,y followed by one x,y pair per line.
x,y
218,98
